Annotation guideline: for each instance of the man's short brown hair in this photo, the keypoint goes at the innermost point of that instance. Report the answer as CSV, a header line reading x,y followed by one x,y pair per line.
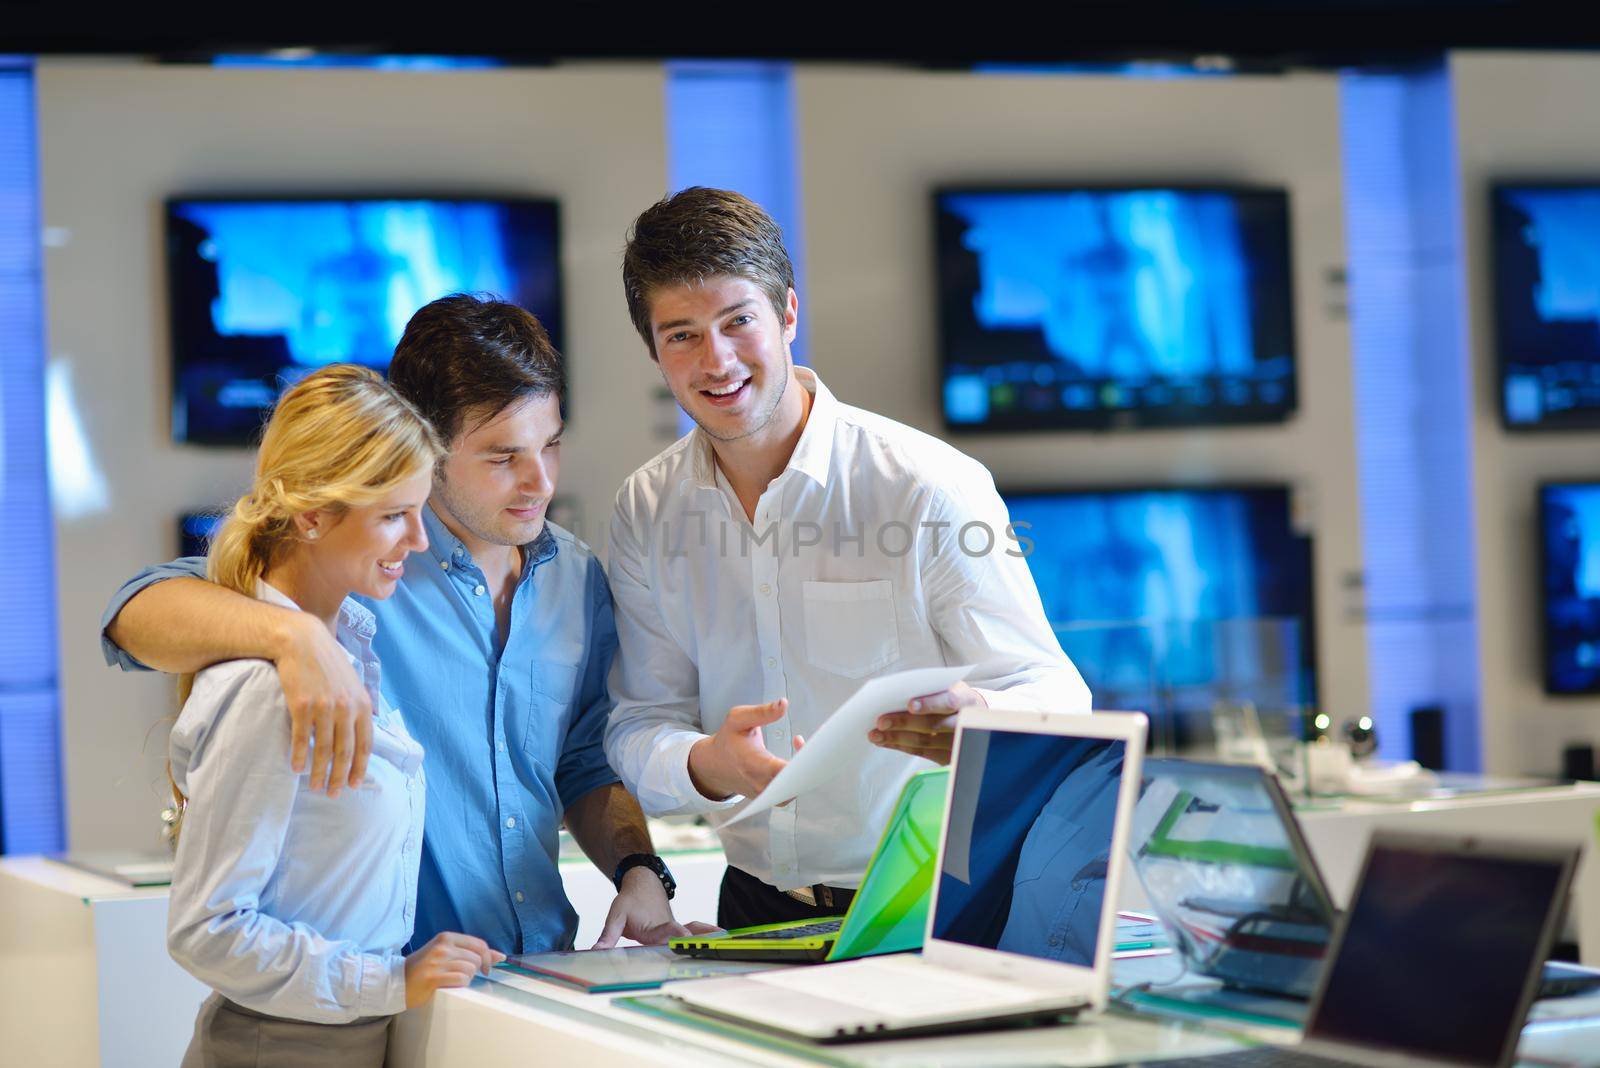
x,y
695,235
466,356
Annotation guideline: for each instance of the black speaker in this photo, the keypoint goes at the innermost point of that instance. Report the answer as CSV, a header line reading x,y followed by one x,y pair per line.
x,y
1427,736
1577,762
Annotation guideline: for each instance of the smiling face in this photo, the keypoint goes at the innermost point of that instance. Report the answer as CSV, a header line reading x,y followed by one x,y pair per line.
x,y
724,352
363,549
494,487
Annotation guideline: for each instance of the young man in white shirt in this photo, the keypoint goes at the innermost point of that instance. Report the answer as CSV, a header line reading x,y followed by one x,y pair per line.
x,y
783,552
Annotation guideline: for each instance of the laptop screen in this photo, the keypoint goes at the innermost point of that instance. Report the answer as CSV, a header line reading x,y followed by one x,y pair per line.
x,y
1216,851
1433,932
1028,843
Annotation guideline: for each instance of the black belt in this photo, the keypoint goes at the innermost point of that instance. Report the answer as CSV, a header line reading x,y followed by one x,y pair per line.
x,y
828,897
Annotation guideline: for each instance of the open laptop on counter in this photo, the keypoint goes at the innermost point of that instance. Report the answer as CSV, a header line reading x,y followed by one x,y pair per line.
x,y
1225,866
1022,912
888,913
1436,961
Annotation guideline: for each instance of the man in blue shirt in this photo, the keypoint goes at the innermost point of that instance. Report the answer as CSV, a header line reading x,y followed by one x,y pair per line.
x,y
1035,881
495,647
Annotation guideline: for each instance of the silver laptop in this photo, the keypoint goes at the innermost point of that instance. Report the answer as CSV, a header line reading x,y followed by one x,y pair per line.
x,y
1436,961
1225,866
1023,908
1222,862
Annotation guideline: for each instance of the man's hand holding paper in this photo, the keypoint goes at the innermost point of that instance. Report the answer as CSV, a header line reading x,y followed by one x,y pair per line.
x,y
927,727
847,729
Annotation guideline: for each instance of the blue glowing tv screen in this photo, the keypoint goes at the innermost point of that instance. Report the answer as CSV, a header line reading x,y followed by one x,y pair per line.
x,y
1547,305
1569,532
265,291
1107,308
195,531
1176,598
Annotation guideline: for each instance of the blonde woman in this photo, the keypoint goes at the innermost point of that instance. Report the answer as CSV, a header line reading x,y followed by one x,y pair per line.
x,y
293,905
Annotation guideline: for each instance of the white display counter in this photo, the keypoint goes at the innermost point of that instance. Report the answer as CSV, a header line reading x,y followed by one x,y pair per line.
x,y
1337,832
85,978
513,1020
516,1021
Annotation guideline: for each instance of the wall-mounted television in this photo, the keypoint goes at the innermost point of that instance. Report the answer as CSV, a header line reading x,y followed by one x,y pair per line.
x,y
195,531
1180,597
1104,308
1546,251
265,290
1569,537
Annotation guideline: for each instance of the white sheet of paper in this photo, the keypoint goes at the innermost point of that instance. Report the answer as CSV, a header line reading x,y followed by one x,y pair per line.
x,y
825,753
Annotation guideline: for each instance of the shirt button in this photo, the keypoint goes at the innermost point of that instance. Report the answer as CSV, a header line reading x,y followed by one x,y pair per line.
x,y
478,591
500,746
777,732
772,661
765,588
520,898
511,822
445,564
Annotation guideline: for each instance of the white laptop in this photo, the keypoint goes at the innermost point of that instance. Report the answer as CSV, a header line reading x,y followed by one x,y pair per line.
x,y
1021,921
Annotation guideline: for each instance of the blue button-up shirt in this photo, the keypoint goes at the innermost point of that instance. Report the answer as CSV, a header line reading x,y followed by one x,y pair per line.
x,y
513,734
285,900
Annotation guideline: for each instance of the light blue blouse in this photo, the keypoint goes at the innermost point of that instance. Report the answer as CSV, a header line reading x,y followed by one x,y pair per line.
x,y
284,900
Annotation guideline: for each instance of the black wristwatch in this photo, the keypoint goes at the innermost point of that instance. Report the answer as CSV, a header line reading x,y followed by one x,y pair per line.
x,y
646,860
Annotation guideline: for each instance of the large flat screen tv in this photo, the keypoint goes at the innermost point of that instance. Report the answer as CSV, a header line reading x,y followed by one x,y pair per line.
x,y
1546,242
195,531
1104,308
263,291
1173,599
1569,535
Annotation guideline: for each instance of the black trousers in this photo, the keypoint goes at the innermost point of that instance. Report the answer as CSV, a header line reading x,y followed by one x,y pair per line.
x,y
746,901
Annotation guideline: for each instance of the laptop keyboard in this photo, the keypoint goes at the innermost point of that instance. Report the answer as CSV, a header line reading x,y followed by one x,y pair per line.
x,y
805,930
1273,1056
894,990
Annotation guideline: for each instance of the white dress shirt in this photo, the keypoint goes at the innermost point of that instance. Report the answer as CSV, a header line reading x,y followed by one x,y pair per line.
x,y
285,900
869,554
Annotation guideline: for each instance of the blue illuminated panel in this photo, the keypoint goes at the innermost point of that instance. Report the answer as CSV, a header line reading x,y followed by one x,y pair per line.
x,y
293,59
264,292
731,125
1411,379
31,818
1114,307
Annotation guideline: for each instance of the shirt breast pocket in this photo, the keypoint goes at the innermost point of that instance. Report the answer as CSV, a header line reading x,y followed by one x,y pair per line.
x,y
555,687
851,628
1045,849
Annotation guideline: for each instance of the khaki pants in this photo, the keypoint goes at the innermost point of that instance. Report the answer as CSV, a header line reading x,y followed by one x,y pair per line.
x,y
227,1035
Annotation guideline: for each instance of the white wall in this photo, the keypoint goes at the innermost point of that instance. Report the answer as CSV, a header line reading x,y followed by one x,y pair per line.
x,y
875,142
1518,116
118,137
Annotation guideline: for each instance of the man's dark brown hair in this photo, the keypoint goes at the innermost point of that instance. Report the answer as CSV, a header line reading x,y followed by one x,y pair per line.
x,y
466,356
695,235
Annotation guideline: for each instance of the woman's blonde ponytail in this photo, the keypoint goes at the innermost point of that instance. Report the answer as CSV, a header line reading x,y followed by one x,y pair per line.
x,y
340,438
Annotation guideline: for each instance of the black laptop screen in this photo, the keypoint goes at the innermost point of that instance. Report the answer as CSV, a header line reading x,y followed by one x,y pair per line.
x,y
1437,953
1028,842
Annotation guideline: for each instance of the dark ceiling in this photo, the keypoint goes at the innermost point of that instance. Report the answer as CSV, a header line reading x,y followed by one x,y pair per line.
x,y
1254,33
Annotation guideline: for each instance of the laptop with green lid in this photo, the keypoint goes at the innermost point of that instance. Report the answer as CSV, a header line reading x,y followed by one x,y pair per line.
x,y
889,912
